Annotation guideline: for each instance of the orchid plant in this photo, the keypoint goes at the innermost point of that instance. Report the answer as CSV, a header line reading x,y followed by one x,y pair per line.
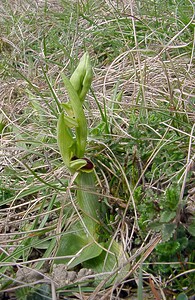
x,y
83,241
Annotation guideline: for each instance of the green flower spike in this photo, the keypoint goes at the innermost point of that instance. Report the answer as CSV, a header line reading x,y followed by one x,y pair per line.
x,y
82,77
73,143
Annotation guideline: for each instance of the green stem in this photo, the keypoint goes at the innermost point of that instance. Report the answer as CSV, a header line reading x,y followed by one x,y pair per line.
x,y
88,201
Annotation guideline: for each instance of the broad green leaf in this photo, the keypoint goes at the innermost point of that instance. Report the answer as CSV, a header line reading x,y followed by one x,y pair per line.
x,y
79,246
168,231
155,225
167,216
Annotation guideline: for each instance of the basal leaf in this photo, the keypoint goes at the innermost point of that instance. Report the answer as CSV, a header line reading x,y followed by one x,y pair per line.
x,y
167,216
112,264
78,246
168,231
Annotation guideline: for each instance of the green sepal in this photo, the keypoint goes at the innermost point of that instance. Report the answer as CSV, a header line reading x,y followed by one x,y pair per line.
x,y
81,129
68,108
82,77
84,170
70,122
65,140
77,164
